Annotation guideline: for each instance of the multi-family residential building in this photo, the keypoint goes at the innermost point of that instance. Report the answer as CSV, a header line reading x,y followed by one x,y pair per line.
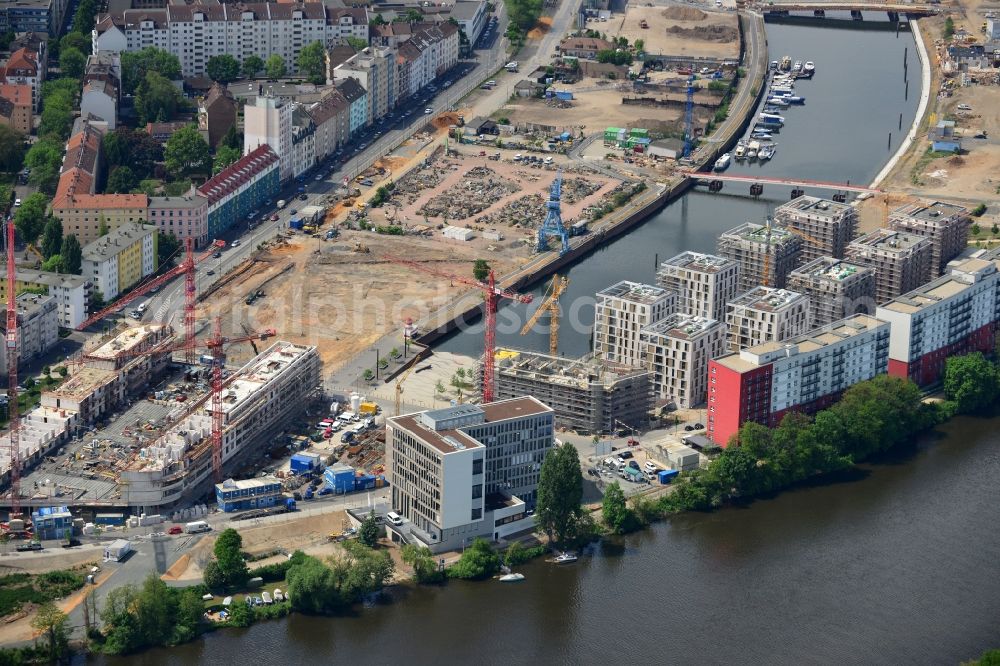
x,y
467,471
86,214
303,141
42,16
803,374
765,314
185,216
901,261
621,311
677,351
836,289
946,226
332,118
240,188
424,56
357,100
471,16
197,32
118,261
216,114
586,395
584,47
268,122
37,327
16,110
27,67
826,226
72,293
374,69
704,283
954,314
766,253
102,89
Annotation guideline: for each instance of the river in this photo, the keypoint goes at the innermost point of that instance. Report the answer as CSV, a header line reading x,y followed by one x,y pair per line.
x,y
895,562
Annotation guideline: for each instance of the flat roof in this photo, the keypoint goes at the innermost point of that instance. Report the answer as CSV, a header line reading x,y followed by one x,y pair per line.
x,y
830,269
636,292
934,211
112,244
580,372
445,441
83,382
760,233
681,325
888,240
27,303
767,299
125,341
262,370
706,263
814,205
961,277
241,484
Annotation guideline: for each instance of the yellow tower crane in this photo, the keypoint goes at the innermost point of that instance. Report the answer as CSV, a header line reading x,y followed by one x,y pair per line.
x,y
551,305
399,386
767,255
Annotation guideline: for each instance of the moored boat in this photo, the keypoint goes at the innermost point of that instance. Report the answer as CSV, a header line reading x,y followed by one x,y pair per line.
x,y
766,151
511,578
795,99
565,558
752,150
722,163
809,68
778,102
786,63
741,149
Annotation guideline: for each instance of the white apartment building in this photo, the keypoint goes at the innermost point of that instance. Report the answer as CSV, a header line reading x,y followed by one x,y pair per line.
x,y
954,314
375,69
677,351
836,289
467,471
826,227
303,141
197,32
424,56
704,283
268,121
621,312
114,263
945,225
37,327
766,314
72,292
806,373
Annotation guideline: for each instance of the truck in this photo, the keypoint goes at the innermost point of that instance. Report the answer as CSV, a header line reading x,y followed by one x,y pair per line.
x,y
197,527
117,550
369,409
281,203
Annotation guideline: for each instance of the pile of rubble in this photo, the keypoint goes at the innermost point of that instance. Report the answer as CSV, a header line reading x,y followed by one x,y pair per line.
x,y
527,212
481,189
578,189
428,176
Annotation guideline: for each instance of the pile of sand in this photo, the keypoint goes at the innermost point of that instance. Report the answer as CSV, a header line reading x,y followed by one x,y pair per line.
x,y
541,28
684,14
712,33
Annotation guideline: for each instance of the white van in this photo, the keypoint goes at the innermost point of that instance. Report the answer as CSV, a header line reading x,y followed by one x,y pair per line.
x,y
346,417
394,518
197,526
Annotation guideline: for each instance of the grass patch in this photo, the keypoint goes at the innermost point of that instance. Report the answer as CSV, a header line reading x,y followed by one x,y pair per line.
x,y
20,588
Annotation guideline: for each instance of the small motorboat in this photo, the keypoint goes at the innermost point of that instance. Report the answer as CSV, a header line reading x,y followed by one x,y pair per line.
x,y
786,63
741,149
778,102
794,99
227,602
809,68
774,64
752,150
565,558
722,163
761,136
278,596
797,67
267,598
773,118
512,578
766,151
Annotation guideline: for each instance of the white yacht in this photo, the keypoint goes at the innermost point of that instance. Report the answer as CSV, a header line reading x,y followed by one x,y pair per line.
x,y
766,151
722,163
565,558
809,68
752,149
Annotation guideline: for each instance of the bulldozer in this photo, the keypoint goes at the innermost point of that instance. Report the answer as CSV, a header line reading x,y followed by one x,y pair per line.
x,y
361,247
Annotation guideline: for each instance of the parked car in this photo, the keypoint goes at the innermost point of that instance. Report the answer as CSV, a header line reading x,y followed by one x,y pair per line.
x,y
625,455
237,242
394,518
176,529
33,545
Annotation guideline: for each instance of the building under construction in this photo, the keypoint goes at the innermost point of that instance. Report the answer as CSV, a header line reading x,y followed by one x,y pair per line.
x,y
257,403
588,395
766,253
826,226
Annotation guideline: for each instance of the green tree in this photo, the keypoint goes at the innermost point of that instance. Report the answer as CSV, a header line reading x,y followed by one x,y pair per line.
x,y
976,230
72,62
972,382
229,555
54,264
190,609
480,270
425,568
252,66
988,658
357,43
52,237
478,561
275,67
156,609
136,64
135,149
223,68
30,217
167,247
12,149
232,139
240,615
121,624
75,40
639,45
72,254
212,575
949,28
57,116
224,156
44,158
102,228
121,181
368,531
52,623
312,62
313,587
157,99
361,571
560,491
96,301
187,153
614,510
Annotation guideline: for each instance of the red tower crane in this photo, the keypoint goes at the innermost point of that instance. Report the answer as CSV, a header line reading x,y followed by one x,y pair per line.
x,y
493,295
12,359
216,344
186,268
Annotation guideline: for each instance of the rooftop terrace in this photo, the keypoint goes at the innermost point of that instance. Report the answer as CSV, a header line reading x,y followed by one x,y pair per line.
x,y
634,291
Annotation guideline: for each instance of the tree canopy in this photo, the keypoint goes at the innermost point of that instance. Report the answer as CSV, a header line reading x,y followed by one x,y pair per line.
x,y
480,270
44,158
52,237
13,147
524,13
135,149
136,64
224,156
153,614
614,510
560,491
186,153
223,68
319,588
275,67
58,101
157,99
252,66
30,217
121,181
972,382
230,558
478,561
72,255
312,62
72,62
368,531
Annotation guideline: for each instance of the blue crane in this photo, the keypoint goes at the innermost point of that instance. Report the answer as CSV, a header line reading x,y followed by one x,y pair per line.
x,y
553,224
689,117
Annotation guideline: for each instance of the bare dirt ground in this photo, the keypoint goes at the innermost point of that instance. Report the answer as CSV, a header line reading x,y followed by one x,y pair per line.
x,y
677,30
596,106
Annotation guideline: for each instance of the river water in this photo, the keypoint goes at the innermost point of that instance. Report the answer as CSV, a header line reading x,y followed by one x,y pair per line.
x,y
895,562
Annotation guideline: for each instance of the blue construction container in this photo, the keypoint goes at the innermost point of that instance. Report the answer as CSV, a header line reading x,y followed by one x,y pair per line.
x,y
53,522
339,478
109,519
364,482
564,95
305,462
666,475
295,223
